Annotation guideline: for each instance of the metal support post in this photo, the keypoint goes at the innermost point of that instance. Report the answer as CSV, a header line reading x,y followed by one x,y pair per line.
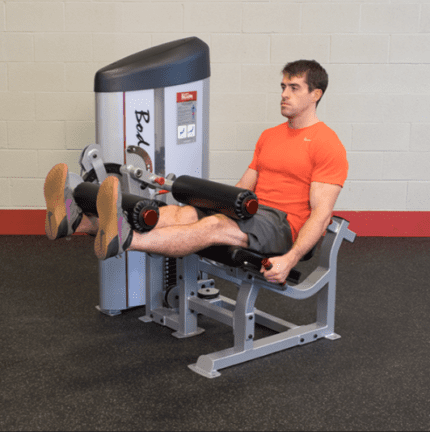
x,y
187,270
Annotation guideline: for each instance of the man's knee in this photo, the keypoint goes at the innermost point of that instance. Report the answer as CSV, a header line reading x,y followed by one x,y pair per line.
x,y
177,215
217,221
226,231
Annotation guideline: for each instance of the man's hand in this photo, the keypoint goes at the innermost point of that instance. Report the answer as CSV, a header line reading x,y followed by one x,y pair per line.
x,y
281,267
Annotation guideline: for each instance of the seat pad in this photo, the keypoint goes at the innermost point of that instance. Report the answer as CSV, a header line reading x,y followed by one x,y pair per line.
x,y
234,256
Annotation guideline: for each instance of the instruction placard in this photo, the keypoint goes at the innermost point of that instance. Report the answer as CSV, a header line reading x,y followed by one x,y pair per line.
x,y
186,108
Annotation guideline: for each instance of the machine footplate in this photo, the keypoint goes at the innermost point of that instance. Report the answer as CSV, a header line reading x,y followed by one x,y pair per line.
x,y
181,335
333,336
196,369
109,312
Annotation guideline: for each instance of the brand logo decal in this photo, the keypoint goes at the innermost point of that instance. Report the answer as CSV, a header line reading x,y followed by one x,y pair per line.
x,y
186,96
145,116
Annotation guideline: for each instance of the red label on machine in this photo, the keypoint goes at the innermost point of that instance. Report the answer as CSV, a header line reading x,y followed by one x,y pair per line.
x,y
186,96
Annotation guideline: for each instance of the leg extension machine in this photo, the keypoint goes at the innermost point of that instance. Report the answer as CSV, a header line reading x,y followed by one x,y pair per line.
x,y
179,289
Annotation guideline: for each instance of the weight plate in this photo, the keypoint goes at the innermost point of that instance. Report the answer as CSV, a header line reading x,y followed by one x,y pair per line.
x,y
172,297
208,293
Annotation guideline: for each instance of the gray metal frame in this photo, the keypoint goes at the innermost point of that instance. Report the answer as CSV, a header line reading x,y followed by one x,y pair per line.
x,y
241,314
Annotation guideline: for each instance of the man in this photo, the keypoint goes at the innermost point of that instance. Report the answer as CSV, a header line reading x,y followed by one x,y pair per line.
x,y
297,172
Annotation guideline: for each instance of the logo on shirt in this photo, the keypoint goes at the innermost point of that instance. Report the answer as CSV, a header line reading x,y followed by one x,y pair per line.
x,y
307,139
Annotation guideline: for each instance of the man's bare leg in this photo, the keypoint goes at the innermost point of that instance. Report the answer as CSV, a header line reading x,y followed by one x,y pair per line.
x,y
88,225
179,232
176,215
181,240
169,215
115,235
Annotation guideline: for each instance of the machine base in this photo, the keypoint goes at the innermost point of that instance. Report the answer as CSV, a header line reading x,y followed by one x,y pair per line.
x,y
333,336
110,313
196,369
180,335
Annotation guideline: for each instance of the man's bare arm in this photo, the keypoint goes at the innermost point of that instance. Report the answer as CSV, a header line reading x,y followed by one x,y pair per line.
x,y
323,197
248,180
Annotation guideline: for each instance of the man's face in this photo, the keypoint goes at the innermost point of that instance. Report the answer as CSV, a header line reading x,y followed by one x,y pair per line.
x,y
296,98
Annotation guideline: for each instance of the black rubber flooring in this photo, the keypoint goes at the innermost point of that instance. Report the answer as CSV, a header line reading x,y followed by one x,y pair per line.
x,y
65,366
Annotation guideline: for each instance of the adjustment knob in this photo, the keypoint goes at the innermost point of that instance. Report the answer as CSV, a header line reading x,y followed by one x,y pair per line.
x,y
251,206
150,217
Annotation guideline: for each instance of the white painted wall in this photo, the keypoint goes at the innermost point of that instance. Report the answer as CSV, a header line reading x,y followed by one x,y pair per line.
x,y
377,54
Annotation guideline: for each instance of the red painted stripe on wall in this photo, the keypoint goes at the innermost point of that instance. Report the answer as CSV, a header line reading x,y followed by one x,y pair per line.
x,y
363,223
388,223
22,222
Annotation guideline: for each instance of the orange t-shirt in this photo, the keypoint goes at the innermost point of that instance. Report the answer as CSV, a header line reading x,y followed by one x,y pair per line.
x,y
288,160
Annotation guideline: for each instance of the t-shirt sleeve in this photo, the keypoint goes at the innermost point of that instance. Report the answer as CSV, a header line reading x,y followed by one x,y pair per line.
x,y
330,162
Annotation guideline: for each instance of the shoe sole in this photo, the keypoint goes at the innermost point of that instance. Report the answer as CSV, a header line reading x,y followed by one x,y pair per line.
x,y
56,225
107,240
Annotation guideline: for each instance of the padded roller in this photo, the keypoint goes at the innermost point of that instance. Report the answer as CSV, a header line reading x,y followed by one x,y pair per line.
x,y
142,213
85,195
232,201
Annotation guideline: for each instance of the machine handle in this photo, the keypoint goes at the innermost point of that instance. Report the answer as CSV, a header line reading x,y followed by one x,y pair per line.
x,y
293,276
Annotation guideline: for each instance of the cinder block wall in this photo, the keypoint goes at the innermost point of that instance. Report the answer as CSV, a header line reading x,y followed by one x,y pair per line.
x,y
376,53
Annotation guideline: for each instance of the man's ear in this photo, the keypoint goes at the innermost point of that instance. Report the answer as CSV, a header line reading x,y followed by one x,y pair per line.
x,y
317,94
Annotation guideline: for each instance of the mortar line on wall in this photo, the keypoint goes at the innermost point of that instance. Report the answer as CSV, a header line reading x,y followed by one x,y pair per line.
x,y
64,16
407,195
270,49
4,17
183,17
389,49
301,19
359,18
420,9
410,137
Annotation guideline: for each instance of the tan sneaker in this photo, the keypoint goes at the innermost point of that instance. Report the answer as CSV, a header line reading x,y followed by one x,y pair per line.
x,y
114,235
63,215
